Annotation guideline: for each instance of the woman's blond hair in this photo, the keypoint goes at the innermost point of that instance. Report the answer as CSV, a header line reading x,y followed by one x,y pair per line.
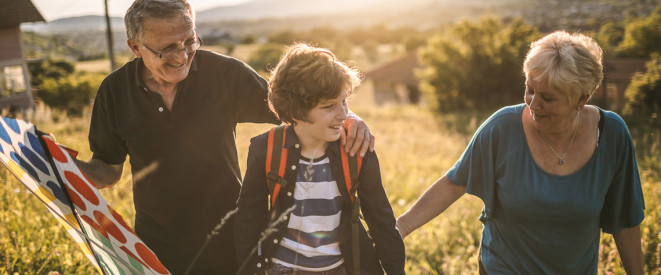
x,y
570,63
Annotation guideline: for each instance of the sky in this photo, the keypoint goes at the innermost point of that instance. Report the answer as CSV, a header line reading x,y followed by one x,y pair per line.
x,y
55,9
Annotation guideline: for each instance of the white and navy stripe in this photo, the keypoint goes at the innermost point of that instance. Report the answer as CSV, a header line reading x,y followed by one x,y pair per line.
x,y
311,241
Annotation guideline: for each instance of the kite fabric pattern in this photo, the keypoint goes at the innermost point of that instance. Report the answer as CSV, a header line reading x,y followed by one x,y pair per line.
x,y
47,169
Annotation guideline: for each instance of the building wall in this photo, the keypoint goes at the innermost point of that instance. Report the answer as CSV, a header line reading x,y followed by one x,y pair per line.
x,y
10,43
15,89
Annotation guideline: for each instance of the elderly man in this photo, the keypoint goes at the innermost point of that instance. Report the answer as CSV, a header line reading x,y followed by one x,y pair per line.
x,y
173,111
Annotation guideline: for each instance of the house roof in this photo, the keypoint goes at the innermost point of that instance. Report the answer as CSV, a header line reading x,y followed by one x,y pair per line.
x,y
401,70
622,69
15,12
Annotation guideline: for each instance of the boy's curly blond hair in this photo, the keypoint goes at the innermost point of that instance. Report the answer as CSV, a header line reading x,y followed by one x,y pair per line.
x,y
304,76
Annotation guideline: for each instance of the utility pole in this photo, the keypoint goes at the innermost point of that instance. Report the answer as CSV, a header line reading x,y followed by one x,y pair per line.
x,y
111,53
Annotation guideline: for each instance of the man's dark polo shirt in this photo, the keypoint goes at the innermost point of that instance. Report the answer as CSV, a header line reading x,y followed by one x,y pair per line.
x,y
184,162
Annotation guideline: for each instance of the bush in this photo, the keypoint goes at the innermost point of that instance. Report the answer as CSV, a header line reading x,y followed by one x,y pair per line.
x,y
642,112
476,65
266,57
72,93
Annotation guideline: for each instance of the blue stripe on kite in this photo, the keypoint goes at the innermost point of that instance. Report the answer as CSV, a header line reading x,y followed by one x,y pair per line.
x,y
4,135
35,144
12,124
57,191
25,165
33,158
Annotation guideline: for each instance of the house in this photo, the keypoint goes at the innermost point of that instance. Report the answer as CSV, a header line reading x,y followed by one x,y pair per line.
x,y
15,87
395,81
617,76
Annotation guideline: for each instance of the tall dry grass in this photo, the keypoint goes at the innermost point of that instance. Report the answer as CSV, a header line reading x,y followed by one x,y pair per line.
x,y
414,149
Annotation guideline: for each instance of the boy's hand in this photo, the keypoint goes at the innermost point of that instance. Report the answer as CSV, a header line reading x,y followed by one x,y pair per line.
x,y
358,136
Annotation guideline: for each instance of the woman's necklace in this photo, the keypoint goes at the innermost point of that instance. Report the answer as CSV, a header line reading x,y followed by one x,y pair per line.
x,y
560,161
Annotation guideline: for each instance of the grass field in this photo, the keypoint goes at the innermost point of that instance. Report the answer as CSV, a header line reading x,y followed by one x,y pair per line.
x,y
414,148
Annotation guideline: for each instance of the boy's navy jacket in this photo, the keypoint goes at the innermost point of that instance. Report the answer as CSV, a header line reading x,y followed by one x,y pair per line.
x,y
252,217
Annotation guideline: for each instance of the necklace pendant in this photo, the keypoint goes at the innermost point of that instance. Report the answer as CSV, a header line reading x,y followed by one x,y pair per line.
x,y
561,162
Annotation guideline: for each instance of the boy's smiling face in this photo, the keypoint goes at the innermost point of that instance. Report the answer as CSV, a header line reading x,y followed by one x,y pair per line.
x,y
324,122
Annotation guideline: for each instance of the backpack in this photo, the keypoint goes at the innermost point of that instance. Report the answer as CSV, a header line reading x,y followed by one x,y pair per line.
x,y
276,162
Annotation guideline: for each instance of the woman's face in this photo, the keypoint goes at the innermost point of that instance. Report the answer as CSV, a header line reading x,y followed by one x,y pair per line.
x,y
550,109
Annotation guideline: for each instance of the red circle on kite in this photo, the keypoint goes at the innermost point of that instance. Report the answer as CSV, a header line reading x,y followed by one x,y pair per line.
x,y
76,200
120,220
95,225
81,187
55,150
109,226
123,248
150,258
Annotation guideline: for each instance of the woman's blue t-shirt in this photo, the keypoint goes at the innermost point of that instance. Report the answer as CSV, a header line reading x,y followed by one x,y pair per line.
x,y
538,223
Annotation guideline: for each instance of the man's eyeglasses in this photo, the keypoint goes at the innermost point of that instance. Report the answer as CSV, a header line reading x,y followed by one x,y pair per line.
x,y
173,51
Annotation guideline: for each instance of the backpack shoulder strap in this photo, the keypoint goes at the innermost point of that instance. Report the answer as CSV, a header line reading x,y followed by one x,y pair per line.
x,y
276,162
351,169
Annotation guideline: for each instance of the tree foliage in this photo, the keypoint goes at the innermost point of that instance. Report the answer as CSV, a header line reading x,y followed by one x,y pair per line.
x,y
60,87
643,98
266,57
642,37
476,65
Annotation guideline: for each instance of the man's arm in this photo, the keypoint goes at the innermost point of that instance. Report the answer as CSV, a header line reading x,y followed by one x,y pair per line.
x,y
358,136
432,203
628,245
99,172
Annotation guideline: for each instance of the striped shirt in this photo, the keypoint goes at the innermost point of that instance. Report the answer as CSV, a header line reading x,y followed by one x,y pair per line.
x,y
311,241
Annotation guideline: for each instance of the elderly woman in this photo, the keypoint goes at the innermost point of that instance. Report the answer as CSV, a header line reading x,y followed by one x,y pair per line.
x,y
552,172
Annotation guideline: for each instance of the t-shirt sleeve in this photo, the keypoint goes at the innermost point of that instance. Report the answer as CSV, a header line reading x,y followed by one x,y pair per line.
x,y
475,168
252,105
624,204
105,144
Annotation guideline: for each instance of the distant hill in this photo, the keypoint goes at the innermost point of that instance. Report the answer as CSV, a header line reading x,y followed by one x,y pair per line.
x,y
87,22
258,9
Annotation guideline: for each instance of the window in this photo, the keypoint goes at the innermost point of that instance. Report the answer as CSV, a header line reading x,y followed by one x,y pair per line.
x,y
12,81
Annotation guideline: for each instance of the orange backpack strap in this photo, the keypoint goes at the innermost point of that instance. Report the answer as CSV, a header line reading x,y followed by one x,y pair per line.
x,y
351,169
276,162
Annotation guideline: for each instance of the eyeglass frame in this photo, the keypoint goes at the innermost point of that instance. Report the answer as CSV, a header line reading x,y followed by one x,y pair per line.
x,y
175,52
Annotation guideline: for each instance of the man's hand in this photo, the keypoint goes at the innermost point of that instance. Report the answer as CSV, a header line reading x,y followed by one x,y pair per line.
x,y
100,173
358,136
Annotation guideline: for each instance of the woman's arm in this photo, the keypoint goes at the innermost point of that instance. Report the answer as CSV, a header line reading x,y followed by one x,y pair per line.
x,y
432,203
628,245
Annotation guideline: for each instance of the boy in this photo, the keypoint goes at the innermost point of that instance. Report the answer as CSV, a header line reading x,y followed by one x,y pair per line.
x,y
308,91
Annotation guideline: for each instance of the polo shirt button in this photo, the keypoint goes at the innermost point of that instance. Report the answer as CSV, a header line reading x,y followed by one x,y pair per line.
x,y
275,240
296,145
266,260
284,218
259,265
293,167
160,109
288,194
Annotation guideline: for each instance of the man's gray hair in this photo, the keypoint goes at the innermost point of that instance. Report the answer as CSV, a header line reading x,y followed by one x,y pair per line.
x,y
156,9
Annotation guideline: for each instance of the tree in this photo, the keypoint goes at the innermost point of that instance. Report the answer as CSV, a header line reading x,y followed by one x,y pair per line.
x,y
60,87
476,65
266,57
642,37
642,109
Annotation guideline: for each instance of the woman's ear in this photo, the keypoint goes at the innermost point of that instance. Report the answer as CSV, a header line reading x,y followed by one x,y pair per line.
x,y
582,100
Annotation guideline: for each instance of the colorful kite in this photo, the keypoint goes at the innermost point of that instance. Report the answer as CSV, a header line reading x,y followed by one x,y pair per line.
x,y
47,169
